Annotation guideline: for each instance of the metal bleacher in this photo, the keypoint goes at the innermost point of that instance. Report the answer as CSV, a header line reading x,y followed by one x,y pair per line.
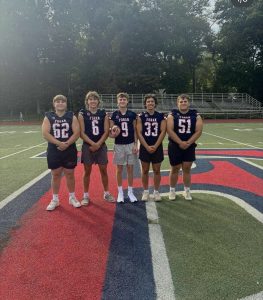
x,y
210,105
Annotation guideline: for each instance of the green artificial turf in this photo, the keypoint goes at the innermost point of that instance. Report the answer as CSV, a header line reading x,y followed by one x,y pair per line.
x,y
214,248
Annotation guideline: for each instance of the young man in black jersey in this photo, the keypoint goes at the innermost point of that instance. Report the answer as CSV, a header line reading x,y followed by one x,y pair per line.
x,y
94,130
61,129
125,147
184,127
151,130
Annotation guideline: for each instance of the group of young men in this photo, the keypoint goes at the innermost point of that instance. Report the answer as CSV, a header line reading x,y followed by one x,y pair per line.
x,y
62,129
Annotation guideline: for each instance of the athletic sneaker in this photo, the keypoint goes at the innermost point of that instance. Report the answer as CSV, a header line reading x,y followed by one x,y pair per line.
x,y
187,195
109,198
172,195
145,196
85,201
157,196
132,197
74,202
120,198
52,205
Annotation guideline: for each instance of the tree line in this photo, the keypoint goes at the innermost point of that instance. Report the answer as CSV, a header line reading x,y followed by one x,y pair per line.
x,y
138,46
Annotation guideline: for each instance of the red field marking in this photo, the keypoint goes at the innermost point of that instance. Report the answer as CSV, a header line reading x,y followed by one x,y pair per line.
x,y
224,174
244,153
60,254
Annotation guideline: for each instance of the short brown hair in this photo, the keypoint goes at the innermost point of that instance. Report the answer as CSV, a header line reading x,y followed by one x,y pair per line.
x,y
60,97
124,95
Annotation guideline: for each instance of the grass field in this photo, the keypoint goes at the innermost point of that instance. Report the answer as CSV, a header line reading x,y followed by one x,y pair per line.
x,y
214,247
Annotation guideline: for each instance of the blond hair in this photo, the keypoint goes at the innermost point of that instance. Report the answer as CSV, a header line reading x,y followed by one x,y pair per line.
x,y
60,97
123,95
92,94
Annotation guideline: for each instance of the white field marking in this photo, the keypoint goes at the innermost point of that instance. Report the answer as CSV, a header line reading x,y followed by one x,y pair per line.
x,y
250,162
38,155
248,129
258,296
7,132
230,140
161,268
22,189
22,151
248,208
17,146
32,131
244,129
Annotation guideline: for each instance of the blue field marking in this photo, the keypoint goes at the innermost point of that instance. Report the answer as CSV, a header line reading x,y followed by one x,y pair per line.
x,y
11,213
129,272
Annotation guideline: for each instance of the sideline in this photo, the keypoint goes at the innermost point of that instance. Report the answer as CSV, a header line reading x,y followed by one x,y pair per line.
x,y
161,268
22,189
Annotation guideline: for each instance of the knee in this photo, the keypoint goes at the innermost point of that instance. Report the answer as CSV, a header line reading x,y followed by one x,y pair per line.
x,y
157,172
145,171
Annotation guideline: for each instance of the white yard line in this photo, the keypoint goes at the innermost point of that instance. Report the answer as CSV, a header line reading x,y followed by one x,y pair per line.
x,y
220,137
22,189
161,269
12,154
250,162
258,296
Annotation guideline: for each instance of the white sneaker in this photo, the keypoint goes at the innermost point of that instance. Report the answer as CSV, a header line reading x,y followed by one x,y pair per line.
x,y
145,196
120,198
187,195
74,202
172,195
157,196
85,201
132,197
52,205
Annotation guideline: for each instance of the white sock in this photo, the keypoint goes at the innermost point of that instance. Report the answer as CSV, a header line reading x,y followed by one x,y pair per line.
x,y
55,197
106,193
85,195
130,189
72,194
146,191
187,189
155,191
172,189
120,190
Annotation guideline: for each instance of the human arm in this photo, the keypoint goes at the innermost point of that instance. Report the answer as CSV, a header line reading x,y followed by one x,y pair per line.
x,y
198,131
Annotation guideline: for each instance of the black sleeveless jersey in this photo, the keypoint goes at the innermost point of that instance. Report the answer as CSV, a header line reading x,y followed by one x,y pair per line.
x,y
61,127
94,123
151,126
125,122
184,124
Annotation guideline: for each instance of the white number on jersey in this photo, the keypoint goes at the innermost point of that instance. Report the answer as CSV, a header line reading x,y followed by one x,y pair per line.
x,y
124,129
61,130
151,129
184,126
95,127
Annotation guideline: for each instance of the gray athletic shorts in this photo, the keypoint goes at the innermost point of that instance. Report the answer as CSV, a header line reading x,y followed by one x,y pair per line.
x,y
99,157
123,155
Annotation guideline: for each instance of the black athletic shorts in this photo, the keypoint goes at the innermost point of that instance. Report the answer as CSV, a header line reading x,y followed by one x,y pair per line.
x,y
155,158
67,159
178,155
